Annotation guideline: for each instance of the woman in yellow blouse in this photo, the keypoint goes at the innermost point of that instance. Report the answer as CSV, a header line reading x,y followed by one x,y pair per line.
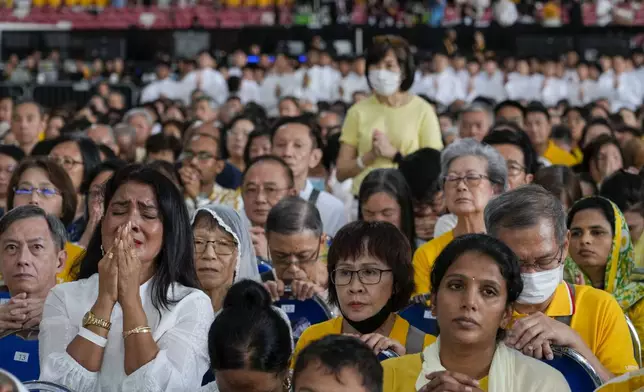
x,y
475,282
42,182
379,130
471,174
602,255
369,267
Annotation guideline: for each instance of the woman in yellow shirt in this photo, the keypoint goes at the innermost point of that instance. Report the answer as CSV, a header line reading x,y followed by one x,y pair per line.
x,y
475,282
379,130
602,255
471,174
369,267
42,182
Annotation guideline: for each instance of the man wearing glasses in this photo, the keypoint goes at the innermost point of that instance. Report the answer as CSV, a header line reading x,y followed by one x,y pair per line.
x,y
549,311
519,155
201,163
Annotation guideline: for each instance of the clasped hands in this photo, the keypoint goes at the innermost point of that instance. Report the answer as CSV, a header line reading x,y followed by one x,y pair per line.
x,y
21,312
119,270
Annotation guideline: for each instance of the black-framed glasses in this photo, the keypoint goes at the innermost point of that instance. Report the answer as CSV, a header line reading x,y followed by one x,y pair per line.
x,y
45,192
515,169
271,192
471,180
368,276
285,260
221,247
543,263
200,155
66,162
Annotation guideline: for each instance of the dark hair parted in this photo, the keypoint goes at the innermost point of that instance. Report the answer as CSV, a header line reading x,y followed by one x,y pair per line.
x,y
378,50
175,262
288,173
519,140
334,353
249,333
255,134
306,120
293,215
624,189
484,244
594,203
382,241
391,182
57,175
162,142
424,183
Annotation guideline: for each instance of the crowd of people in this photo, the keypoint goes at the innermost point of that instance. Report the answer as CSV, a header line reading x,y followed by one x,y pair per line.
x,y
134,241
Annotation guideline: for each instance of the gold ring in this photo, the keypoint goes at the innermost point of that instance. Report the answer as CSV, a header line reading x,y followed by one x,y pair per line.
x,y
110,255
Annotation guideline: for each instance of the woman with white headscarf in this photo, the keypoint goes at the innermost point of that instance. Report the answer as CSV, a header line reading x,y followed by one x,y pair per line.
x,y
224,252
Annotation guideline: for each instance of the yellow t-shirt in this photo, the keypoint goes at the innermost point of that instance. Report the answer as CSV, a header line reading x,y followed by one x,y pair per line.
x,y
408,128
334,327
424,261
400,374
558,156
70,271
576,152
599,321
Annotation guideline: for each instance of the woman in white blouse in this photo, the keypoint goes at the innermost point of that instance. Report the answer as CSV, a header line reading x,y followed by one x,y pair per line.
x,y
135,321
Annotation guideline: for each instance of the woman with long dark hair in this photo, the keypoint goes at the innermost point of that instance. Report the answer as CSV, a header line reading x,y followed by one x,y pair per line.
x,y
136,319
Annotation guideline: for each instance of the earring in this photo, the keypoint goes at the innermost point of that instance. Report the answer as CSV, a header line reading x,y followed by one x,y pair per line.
x,y
102,251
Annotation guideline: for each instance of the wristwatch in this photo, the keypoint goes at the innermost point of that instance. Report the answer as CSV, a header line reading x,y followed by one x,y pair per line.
x,y
91,319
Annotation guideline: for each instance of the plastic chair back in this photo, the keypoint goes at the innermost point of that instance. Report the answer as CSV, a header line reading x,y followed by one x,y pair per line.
x,y
420,316
386,354
45,386
303,314
637,345
263,267
581,377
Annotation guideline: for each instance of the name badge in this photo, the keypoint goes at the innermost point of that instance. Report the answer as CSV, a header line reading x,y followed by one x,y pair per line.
x,y
428,315
21,357
4,300
288,308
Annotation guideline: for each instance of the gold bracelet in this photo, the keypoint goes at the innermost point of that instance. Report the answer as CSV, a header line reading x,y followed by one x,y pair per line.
x,y
137,330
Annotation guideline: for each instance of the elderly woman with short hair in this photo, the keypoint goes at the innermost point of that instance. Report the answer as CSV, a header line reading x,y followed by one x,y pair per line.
x,y
471,174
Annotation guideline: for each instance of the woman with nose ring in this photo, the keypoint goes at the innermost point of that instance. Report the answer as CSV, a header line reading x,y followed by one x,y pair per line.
x,y
369,267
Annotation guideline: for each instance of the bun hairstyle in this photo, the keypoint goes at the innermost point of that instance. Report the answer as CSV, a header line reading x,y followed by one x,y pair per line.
x,y
249,333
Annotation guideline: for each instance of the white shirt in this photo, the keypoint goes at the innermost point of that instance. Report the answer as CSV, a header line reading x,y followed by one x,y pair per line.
x,y
447,87
444,224
520,87
153,91
181,333
552,91
330,207
583,92
351,84
488,86
628,93
209,81
249,91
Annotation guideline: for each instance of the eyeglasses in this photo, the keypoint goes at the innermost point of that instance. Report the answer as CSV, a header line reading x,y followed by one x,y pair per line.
x,y
66,162
43,192
543,263
284,261
369,276
471,180
201,156
271,192
222,248
515,169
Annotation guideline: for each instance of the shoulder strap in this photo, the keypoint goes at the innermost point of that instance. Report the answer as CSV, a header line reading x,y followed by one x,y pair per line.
x,y
415,340
568,319
315,193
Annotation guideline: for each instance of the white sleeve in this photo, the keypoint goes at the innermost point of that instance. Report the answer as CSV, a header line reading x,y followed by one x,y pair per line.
x,y
183,356
149,94
56,332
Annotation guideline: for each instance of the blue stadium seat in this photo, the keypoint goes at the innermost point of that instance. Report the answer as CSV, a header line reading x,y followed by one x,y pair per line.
x,y
580,375
420,316
19,351
386,354
44,386
303,314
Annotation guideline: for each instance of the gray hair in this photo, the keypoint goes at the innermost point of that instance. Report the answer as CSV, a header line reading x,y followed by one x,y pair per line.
x,y
138,112
56,227
110,130
477,108
497,170
293,215
524,207
123,128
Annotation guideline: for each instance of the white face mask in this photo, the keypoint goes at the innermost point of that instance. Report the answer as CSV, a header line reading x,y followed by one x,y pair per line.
x,y
539,286
384,82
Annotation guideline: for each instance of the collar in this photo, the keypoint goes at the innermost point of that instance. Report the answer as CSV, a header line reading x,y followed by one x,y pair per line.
x,y
562,302
306,192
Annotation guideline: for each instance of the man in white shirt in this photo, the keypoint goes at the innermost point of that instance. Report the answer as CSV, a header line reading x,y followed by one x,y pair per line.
x,y
621,88
279,82
446,86
488,84
355,81
585,90
163,86
552,89
520,85
297,141
205,78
